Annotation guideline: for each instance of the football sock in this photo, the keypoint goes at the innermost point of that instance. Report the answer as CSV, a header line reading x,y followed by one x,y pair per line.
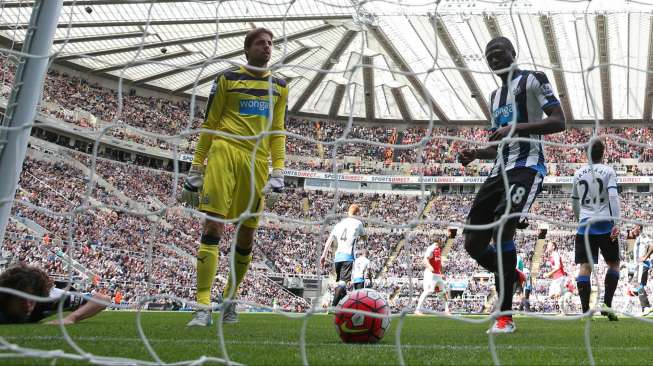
x,y
241,264
488,258
584,291
207,265
509,259
422,297
644,279
527,303
338,294
611,280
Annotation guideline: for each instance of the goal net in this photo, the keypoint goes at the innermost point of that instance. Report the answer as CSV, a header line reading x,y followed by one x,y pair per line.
x,y
383,98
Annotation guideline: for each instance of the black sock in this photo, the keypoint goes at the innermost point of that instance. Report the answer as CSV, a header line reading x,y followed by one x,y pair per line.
x,y
584,291
338,294
644,280
488,259
611,280
509,263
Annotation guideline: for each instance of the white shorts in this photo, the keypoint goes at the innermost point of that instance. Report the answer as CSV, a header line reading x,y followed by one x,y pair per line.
x,y
433,280
557,286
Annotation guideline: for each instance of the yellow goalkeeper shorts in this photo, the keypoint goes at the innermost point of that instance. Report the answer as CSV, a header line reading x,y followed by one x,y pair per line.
x,y
227,189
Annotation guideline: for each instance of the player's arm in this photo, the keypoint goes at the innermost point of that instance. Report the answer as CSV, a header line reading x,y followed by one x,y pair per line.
x,y
362,235
214,108
468,155
425,260
195,179
327,248
553,123
85,311
575,199
370,267
278,140
278,143
615,203
487,153
648,253
556,267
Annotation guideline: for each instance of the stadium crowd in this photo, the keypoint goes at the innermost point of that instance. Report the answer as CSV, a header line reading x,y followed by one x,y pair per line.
x,y
129,256
64,94
113,245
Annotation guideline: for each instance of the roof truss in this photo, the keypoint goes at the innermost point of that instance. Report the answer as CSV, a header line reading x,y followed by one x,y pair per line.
x,y
328,64
368,87
172,42
289,58
648,96
458,60
554,58
145,61
206,79
604,68
143,22
403,66
401,104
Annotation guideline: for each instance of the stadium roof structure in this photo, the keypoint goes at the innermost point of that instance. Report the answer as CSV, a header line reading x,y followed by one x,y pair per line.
x,y
409,61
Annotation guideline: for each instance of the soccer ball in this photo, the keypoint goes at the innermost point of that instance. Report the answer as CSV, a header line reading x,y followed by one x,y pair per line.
x,y
361,328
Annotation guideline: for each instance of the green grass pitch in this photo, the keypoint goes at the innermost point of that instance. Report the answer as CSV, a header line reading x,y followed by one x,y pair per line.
x,y
271,339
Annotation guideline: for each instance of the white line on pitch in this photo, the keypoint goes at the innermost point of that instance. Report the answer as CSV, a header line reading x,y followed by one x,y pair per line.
x,y
320,344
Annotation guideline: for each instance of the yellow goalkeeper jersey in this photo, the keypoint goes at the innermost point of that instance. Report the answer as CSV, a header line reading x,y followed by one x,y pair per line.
x,y
240,104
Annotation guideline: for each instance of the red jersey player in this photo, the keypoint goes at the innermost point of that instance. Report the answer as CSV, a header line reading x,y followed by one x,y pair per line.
x,y
557,274
433,280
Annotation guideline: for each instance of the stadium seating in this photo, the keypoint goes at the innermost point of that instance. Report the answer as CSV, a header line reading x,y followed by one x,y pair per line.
x,y
114,245
65,93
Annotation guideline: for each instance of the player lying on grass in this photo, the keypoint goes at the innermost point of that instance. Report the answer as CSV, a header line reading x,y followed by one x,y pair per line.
x,y
34,281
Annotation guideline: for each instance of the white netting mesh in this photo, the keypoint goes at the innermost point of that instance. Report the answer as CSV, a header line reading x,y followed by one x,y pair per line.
x,y
93,207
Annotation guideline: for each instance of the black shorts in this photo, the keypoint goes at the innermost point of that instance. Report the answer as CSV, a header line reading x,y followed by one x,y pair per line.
x,y
343,271
490,201
609,248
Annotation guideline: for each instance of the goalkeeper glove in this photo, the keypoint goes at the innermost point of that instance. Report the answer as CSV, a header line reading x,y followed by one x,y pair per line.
x,y
193,186
274,188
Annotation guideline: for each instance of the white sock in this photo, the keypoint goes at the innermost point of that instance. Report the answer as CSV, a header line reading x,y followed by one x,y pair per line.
x,y
420,302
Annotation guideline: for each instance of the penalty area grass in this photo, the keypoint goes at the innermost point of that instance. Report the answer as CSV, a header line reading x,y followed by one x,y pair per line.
x,y
273,339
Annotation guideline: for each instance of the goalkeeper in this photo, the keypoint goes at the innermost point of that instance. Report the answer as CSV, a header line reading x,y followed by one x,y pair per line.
x,y
242,103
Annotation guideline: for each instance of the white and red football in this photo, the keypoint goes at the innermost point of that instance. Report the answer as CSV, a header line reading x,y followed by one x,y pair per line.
x,y
361,328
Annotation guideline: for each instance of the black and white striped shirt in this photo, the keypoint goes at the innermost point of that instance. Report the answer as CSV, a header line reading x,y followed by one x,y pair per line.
x,y
532,94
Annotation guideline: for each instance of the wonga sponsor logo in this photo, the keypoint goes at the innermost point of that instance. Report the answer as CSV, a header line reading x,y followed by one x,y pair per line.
x,y
503,114
256,107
